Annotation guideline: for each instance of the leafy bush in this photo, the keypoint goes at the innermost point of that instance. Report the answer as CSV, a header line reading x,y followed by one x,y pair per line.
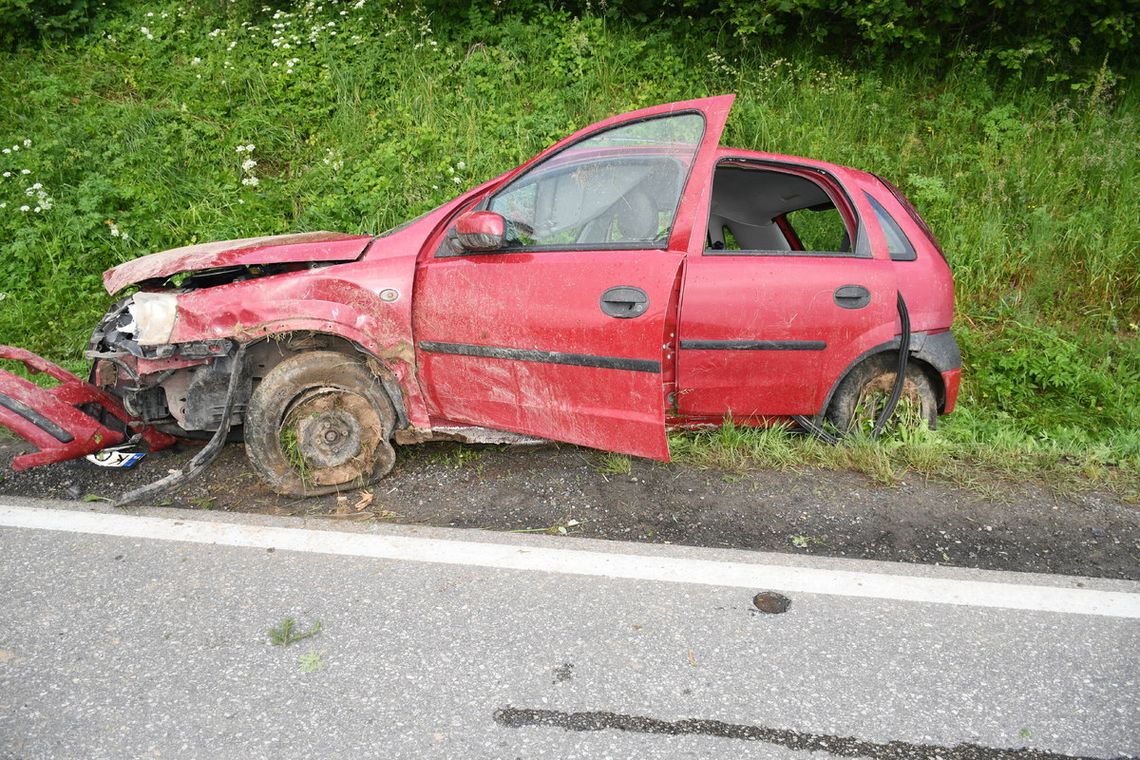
x,y
27,20
1011,34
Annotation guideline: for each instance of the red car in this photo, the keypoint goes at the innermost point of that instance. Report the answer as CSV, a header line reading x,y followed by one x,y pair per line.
x,y
632,277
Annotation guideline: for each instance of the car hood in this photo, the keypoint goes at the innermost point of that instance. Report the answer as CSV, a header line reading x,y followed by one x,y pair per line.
x,y
277,249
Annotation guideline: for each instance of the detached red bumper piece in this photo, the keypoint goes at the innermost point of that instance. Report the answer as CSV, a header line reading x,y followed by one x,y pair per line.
x,y
59,421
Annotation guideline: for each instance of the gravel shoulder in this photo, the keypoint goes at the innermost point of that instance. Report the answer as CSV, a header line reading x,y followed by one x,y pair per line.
x,y
563,489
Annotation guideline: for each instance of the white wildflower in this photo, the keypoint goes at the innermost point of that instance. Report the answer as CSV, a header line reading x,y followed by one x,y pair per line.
x,y
37,186
7,174
37,209
146,32
214,33
115,230
7,150
456,180
195,61
27,143
248,164
461,165
150,14
3,204
15,147
249,148
25,209
25,171
251,181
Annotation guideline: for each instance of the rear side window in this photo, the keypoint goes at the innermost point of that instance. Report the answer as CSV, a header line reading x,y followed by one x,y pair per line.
x,y
914,215
898,245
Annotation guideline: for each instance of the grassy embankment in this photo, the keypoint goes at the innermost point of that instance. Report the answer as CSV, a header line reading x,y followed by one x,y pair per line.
x,y
361,119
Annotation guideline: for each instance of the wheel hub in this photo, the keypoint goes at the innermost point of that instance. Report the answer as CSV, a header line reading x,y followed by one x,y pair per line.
x,y
328,439
337,433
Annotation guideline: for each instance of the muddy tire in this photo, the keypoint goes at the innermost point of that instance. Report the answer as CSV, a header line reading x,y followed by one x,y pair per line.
x,y
864,392
319,422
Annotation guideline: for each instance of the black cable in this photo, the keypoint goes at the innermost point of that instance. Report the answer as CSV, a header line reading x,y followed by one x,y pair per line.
x,y
900,377
811,426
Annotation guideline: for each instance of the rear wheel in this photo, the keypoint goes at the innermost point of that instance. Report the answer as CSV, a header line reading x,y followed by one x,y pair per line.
x,y
863,394
319,422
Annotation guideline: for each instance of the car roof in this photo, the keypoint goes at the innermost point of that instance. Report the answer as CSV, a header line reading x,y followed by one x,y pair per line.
x,y
839,171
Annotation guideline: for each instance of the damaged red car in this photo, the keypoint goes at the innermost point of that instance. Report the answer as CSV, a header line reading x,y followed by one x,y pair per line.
x,y
633,277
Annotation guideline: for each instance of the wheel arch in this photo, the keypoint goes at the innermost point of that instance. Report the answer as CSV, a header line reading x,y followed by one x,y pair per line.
x,y
931,362
266,352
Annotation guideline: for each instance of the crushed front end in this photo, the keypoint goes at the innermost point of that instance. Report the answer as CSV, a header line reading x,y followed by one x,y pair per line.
x,y
180,388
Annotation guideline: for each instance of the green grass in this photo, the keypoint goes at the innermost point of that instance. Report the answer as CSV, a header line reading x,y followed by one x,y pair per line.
x,y
614,464
1031,185
979,454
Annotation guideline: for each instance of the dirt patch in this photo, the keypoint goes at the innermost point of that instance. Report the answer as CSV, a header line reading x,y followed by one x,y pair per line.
x,y
564,489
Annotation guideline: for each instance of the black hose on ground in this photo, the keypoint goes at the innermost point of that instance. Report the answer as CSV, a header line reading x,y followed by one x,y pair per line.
x,y
208,453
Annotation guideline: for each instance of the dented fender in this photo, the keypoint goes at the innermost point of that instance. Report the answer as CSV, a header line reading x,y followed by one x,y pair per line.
x,y
368,304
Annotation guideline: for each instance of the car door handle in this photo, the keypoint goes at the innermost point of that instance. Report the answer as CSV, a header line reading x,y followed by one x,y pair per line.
x,y
852,297
624,302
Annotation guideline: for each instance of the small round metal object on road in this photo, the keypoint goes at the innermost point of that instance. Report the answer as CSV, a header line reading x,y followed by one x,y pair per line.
x,y
388,295
771,603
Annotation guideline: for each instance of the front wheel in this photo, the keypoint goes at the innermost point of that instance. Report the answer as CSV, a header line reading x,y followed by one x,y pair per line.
x,y
319,422
863,394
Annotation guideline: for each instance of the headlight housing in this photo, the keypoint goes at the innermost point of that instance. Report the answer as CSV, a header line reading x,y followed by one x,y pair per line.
x,y
153,317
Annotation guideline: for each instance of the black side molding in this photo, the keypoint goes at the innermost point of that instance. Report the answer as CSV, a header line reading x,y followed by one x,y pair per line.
x,y
542,357
754,345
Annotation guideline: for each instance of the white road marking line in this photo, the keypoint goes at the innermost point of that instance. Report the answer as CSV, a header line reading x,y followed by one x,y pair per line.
x,y
755,577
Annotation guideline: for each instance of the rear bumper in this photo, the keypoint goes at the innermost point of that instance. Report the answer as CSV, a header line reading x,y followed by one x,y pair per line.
x,y
940,351
52,420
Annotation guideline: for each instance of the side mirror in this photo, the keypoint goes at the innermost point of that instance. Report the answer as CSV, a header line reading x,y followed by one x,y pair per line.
x,y
480,231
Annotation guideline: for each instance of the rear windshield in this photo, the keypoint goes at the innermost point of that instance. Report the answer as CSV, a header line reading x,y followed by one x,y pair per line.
x,y
913,212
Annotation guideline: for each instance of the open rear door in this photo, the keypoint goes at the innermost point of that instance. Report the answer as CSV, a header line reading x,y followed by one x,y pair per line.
x,y
561,333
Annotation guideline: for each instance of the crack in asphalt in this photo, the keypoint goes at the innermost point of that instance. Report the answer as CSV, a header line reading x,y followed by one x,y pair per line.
x,y
841,746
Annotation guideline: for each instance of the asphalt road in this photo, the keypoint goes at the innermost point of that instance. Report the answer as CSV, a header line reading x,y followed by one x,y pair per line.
x,y
144,634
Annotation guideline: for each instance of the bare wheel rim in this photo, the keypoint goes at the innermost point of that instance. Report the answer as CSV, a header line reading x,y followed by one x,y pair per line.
x,y
330,435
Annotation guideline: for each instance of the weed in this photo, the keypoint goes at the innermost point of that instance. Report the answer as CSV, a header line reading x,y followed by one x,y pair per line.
x,y
614,464
287,632
464,456
291,448
310,662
